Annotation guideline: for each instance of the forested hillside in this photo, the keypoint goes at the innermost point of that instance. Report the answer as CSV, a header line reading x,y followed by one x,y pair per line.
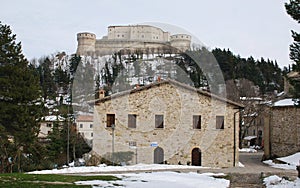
x,y
264,73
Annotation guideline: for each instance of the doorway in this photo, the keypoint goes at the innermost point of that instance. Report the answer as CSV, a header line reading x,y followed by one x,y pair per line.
x,y
196,157
158,155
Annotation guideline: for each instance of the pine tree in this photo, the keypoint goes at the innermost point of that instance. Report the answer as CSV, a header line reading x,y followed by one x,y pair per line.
x,y
293,9
19,107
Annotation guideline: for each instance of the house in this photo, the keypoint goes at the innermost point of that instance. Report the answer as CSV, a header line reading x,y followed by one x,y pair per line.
x,y
167,122
253,124
84,126
282,129
47,123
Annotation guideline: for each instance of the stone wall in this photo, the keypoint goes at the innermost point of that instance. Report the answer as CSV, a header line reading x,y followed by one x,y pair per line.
x,y
284,131
131,37
177,138
137,33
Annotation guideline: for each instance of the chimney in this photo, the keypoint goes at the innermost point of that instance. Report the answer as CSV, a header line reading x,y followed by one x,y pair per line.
x,y
101,93
158,79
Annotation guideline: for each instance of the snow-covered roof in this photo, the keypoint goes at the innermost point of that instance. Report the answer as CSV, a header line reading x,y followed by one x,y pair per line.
x,y
53,118
280,94
251,98
285,102
249,137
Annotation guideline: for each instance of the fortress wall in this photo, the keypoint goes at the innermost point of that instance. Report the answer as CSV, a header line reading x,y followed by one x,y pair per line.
x,y
138,37
109,47
138,33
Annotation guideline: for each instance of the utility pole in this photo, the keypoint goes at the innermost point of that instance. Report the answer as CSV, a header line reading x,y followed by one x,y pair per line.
x,y
68,138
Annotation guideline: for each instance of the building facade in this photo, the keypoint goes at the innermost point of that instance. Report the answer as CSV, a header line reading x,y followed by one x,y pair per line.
x,y
84,126
145,38
168,122
282,129
47,124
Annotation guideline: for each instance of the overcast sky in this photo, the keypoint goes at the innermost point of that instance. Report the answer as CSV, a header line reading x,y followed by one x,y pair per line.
x,y
260,28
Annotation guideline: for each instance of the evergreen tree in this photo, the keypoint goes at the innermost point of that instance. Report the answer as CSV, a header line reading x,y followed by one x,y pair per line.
x,y
293,9
19,106
46,78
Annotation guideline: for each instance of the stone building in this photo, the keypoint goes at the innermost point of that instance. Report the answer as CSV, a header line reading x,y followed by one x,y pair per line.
x,y
282,129
168,122
130,38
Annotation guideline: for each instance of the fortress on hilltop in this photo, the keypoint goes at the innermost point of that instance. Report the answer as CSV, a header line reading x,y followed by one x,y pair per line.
x,y
131,38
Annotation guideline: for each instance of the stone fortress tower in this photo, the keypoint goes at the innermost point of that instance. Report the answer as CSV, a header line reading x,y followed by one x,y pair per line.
x,y
130,38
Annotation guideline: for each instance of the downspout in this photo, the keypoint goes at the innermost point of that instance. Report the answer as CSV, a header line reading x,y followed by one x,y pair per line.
x,y
234,133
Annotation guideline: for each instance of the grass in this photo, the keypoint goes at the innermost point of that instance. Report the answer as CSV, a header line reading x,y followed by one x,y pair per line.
x,y
20,180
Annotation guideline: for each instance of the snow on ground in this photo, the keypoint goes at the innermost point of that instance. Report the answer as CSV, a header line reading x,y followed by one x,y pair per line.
x,y
248,150
291,162
241,165
163,179
292,159
277,182
133,179
281,166
106,169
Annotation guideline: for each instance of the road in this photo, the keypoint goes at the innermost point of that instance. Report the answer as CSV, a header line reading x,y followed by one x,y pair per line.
x,y
254,171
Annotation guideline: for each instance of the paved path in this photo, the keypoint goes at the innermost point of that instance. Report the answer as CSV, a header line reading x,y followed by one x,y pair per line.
x,y
254,171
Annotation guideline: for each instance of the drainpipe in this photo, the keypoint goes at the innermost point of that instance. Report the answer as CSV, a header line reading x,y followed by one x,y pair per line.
x,y
234,133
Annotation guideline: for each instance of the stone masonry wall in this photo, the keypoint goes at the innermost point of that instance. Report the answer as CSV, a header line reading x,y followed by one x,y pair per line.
x,y
285,131
177,138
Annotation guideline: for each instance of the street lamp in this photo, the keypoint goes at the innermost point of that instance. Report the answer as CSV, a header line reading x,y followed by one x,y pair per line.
x,y
113,143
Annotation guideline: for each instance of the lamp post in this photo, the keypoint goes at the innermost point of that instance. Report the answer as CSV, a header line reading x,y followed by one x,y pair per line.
x,y
113,143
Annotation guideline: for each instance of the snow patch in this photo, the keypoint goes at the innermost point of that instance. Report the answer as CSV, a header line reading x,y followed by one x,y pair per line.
x,y
248,150
163,179
107,169
285,102
291,162
277,182
241,165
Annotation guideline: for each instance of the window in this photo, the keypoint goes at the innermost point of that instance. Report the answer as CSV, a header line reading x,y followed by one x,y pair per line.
x,y
131,120
159,121
196,122
253,131
81,125
92,135
220,122
91,125
110,119
49,125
